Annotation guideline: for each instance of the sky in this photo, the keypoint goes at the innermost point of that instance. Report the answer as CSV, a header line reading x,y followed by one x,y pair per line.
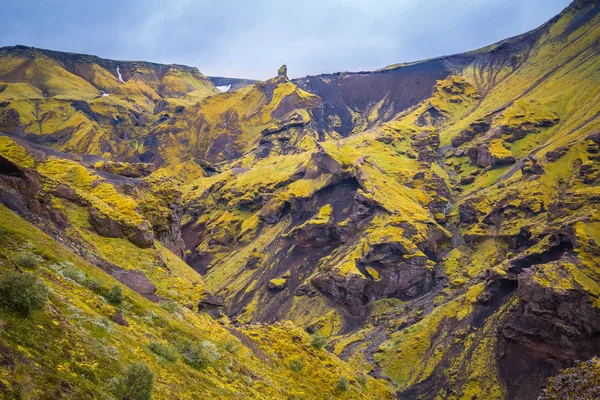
x,y
252,38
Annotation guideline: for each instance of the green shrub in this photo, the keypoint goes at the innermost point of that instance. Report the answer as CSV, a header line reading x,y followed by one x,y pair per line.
x,y
70,271
362,379
318,341
166,352
169,306
27,259
93,284
296,365
115,295
342,384
135,383
22,293
200,355
150,317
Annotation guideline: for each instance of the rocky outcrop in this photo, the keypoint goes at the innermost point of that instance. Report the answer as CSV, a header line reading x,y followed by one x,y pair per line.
x,y
554,324
282,71
531,167
131,170
471,132
493,154
139,234
212,305
514,132
277,284
119,318
296,118
135,280
427,144
467,213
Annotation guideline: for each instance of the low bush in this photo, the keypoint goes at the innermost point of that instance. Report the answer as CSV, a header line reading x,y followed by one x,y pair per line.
x,y
22,293
70,271
136,383
27,259
166,352
342,384
362,379
169,306
297,365
115,295
200,355
93,284
318,341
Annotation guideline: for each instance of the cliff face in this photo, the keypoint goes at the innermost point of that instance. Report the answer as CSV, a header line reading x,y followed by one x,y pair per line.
x,y
437,222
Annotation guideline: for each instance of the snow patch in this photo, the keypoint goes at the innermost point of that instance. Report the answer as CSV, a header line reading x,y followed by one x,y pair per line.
x,y
119,74
224,88
103,93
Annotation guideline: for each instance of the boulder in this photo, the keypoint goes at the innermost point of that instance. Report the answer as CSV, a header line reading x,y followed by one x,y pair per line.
x,y
119,318
493,154
211,305
139,234
467,213
277,284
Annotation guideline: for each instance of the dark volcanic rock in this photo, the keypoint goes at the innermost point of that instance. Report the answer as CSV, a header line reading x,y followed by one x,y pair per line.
x,y
253,261
282,71
211,305
401,88
467,213
549,330
467,180
119,318
531,167
140,234
469,134
105,226
485,156
293,119
555,155
427,144
135,280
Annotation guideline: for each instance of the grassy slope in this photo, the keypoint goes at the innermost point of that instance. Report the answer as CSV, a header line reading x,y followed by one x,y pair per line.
x,y
73,346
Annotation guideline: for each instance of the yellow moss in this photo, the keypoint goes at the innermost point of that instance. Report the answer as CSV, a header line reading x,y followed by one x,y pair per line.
x,y
373,272
498,150
15,153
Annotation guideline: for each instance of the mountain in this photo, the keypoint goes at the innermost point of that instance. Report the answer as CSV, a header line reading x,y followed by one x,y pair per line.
x,y
434,225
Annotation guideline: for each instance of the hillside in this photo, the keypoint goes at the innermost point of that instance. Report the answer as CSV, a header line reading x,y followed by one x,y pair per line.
x,y
427,230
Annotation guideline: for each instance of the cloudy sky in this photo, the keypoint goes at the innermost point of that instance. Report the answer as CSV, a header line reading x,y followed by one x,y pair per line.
x,y
252,38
